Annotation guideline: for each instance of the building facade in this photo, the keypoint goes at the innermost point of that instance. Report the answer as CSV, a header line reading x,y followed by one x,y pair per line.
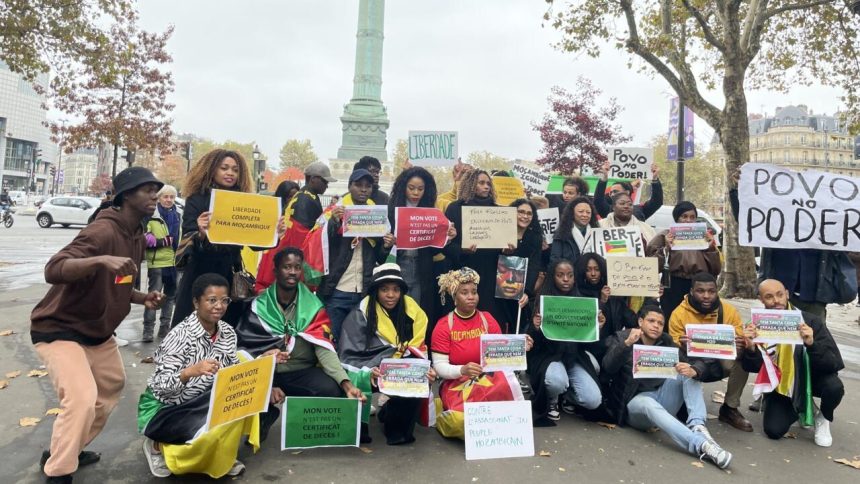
x,y
79,168
26,150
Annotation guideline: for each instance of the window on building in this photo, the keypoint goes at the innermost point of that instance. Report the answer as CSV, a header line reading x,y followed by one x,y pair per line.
x,y
802,139
805,156
785,156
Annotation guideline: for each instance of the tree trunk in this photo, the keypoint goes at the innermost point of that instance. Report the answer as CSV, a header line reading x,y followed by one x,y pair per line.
x,y
115,155
739,275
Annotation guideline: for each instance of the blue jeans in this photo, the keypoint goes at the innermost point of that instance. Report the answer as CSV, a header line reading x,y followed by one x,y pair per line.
x,y
338,305
157,283
658,408
558,379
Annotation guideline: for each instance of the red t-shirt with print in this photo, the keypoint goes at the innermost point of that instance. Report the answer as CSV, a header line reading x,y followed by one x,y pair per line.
x,y
462,343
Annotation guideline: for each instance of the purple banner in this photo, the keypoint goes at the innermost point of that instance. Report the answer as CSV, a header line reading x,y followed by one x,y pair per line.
x,y
688,136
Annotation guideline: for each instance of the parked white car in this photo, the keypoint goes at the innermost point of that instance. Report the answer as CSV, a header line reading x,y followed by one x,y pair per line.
x,y
66,211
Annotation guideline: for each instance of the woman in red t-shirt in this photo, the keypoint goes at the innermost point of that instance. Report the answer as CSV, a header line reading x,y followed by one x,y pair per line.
x,y
456,345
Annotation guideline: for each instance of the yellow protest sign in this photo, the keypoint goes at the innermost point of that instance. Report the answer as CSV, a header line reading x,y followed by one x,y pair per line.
x,y
508,189
240,391
243,219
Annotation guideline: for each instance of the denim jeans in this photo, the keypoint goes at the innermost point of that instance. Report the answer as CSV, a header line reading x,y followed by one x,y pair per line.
x,y
658,408
338,305
558,379
157,283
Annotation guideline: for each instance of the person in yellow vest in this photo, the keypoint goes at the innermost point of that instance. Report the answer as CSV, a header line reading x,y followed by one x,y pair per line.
x,y
162,237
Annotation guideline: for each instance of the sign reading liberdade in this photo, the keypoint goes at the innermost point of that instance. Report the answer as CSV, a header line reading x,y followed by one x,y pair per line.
x,y
433,148
633,276
569,318
241,390
489,227
420,227
320,422
240,218
786,209
495,430
774,326
404,377
654,361
365,220
711,341
503,352
630,163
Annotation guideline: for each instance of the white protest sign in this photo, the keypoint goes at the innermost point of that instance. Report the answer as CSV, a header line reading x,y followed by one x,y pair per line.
x,y
534,181
433,148
496,430
785,209
630,163
548,219
633,276
624,241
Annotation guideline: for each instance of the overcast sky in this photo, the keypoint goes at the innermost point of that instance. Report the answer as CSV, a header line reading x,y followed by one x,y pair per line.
x,y
270,70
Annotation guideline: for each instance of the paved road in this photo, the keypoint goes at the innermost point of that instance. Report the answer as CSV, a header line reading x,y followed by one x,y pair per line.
x,y
580,451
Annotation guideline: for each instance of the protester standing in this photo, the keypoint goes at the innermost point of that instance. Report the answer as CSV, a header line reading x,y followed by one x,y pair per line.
x,y
162,239
529,244
622,216
604,202
372,165
569,241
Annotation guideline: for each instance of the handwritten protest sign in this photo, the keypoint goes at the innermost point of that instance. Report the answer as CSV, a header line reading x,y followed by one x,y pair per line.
x,y
508,189
654,361
689,236
548,219
240,218
496,430
404,377
633,276
569,318
489,227
365,220
503,352
433,148
420,227
310,422
534,181
774,326
240,390
630,163
711,341
786,209
511,277
618,241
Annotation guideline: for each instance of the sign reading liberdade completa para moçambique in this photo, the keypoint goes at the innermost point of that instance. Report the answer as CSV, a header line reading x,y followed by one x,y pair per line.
x,y
243,219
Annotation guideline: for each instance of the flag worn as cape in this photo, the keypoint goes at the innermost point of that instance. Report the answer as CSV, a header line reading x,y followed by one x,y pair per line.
x,y
311,324
315,249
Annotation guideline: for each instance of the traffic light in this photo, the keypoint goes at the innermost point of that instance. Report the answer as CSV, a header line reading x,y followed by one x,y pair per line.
x,y
53,171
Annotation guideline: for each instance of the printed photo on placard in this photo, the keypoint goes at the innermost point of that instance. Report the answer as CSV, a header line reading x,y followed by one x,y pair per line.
x,y
511,277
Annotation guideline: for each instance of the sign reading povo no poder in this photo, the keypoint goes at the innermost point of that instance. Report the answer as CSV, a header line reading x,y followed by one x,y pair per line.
x,y
630,163
436,148
782,208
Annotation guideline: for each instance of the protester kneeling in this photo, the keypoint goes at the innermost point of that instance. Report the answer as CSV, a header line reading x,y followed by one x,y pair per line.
x,y
650,402
172,412
387,324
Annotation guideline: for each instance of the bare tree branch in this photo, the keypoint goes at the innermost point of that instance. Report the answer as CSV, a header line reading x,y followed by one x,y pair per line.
x,y
795,6
703,24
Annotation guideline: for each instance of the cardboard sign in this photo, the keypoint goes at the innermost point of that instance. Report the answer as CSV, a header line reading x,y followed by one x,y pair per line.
x,y
365,221
689,236
711,341
534,181
630,163
774,326
310,422
420,227
508,189
569,318
503,352
489,227
633,276
241,390
240,218
548,219
433,148
619,241
786,209
404,377
495,430
654,361
511,277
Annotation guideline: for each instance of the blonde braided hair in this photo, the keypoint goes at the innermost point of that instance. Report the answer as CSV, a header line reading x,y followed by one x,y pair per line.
x,y
452,280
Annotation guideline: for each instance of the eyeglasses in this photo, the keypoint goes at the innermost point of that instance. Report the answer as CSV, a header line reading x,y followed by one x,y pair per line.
x,y
225,301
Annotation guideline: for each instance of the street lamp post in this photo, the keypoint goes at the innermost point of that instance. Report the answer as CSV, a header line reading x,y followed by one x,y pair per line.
x,y
259,168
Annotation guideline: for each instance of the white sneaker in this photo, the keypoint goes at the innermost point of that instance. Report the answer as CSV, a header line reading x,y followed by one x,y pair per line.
x,y
238,468
716,454
156,462
552,412
119,341
701,429
822,431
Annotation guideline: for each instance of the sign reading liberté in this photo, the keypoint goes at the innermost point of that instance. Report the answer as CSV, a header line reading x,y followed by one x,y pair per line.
x,y
241,390
548,219
419,227
615,241
489,227
240,218
310,422
654,361
630,163
786,209
569,318
775,326
404,377
711,341
503,352
495,430
433,148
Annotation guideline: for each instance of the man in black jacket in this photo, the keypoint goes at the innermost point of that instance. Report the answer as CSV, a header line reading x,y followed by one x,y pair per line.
x,y
651,402
824,360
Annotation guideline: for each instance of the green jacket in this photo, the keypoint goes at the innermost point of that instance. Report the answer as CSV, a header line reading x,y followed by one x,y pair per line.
x,y
159,257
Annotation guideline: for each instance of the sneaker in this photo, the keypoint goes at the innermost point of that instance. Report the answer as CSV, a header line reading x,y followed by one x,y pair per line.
x,y
822,431
119,341
85,458
701,429
163,329
552,412
238,468
716,454
147,335
568,407
156,462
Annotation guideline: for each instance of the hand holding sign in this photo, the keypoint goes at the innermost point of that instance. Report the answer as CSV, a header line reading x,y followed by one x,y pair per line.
x,y
239,218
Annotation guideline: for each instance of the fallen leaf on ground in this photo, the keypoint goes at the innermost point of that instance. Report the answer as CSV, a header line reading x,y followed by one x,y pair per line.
x,y
562,469
366,450
545,453
54,411
13,374
790,435
7,332
610,426
37,373
4,384
852,463
29,421
718,397
697,464
711,417
297,452
147,359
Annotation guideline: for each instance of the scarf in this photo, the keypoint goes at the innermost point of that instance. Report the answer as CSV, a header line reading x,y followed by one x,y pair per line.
x,y
698,306
579,237
647,231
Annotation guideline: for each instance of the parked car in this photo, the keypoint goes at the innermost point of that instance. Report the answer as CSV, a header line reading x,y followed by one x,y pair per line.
x,y
662,219
66,211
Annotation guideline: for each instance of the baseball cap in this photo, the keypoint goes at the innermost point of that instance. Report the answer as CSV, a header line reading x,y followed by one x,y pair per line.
x,y
133,177
359,174
321,170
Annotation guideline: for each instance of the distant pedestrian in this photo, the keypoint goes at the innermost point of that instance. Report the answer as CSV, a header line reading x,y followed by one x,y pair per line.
x,y
162,238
